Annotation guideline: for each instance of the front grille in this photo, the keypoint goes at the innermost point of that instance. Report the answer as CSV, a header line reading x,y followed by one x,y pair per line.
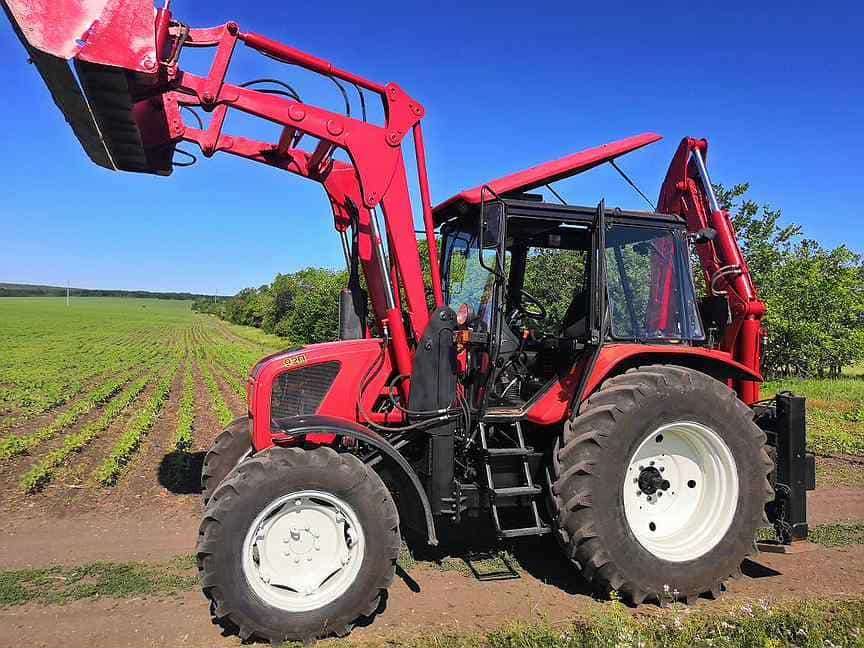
x,y
302,390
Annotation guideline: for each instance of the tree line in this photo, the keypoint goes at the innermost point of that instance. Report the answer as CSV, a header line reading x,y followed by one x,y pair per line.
x,y
35,290
814,294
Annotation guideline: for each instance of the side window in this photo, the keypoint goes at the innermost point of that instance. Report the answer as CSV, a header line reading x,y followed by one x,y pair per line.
x,y
468,282
628,282
650,288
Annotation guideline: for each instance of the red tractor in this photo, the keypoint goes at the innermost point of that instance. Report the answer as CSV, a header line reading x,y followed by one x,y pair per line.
x,y
621,415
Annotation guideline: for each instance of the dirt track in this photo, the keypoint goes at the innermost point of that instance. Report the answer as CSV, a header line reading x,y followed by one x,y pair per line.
x,y
427,598
129,528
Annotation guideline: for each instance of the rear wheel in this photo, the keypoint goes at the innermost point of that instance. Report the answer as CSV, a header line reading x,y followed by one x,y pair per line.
x,y
231,447
297,545
661,484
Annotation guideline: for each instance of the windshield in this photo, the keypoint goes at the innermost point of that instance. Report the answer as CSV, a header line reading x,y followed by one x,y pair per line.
x,y
650,284
468,282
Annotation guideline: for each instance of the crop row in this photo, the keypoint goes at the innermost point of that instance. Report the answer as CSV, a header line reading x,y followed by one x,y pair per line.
x,y
136,430
186,413
15,444
217,401
41,474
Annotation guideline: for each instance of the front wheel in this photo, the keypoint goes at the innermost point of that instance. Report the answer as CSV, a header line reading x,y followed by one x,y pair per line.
x,y
231,447
661,484
297,545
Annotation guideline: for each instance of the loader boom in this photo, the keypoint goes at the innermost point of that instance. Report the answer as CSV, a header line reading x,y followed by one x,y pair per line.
x,y
687,191
129,117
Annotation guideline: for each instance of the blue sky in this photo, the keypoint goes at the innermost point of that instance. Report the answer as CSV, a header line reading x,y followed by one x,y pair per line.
x,y
777,89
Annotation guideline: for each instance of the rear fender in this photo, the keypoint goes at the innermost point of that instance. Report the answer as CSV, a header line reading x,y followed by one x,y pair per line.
x,y
565,394
615,359
328,426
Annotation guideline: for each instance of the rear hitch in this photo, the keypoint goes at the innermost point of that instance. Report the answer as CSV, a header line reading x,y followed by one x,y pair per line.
x,y
783,419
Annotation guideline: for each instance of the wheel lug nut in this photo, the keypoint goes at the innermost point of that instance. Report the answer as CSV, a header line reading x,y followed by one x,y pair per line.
x,y
662,469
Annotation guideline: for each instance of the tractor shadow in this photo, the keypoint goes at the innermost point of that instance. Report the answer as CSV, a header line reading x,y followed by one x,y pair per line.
x,y
180,472
473,549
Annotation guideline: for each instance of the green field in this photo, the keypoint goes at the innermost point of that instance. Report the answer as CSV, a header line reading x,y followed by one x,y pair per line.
x,y
68,374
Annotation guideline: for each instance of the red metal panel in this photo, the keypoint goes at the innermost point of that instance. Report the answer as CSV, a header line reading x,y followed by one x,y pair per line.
x,y
356,358
557,403
552,171
119,33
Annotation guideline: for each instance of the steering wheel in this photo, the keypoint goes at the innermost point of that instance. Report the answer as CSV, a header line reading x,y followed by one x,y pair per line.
x,y
530,306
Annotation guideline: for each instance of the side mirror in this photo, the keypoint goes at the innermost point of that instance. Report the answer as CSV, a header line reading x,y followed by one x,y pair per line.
x,y
704,235
492,224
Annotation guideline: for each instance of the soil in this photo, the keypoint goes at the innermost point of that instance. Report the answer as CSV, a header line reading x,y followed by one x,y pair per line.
x,y
153,515
426,599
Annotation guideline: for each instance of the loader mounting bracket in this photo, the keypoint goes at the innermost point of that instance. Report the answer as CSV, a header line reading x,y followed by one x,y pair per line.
x,y
783,419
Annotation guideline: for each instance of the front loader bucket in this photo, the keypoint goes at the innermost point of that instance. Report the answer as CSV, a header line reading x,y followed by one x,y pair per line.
x,y
112,48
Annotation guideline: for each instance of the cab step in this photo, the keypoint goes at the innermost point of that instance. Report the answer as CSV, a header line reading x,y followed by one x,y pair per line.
x,y
527,489
510,452
517,491
524,532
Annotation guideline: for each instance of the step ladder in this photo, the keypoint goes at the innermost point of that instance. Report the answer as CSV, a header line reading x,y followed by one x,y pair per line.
x,y
527,489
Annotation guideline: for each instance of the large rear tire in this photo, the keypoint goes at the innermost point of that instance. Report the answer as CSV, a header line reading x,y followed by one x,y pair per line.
x,y
298,545
661,484
231,447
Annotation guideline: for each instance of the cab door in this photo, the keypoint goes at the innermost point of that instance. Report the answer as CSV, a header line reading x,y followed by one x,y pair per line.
x,y
597,298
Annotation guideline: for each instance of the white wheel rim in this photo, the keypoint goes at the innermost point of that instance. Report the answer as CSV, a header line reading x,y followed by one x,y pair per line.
x,y
687,518
303,551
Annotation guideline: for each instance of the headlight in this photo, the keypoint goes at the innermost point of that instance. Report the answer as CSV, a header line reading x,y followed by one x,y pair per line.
x,y
464,314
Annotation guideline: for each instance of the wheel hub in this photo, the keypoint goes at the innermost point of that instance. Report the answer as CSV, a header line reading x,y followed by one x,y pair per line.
x,y
303,551
651,480
680,491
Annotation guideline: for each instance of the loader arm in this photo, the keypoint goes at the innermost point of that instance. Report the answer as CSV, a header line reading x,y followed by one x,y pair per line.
x,y
125,104
687,191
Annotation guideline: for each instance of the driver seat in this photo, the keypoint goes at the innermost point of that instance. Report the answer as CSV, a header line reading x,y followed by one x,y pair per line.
x,y
575,322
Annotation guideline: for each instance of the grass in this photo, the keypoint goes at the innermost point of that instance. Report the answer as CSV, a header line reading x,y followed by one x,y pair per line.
x,y
57,585
835,411
840,474
838,535
611,625
762,624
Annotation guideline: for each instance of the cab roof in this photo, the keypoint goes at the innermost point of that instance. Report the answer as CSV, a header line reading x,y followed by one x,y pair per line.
x,y
537,176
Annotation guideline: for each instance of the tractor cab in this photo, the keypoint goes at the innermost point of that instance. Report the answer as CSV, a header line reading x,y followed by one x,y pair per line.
x,y
536,284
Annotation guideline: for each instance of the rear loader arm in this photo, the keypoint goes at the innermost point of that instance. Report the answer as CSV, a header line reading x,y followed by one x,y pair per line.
x,y
687,191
